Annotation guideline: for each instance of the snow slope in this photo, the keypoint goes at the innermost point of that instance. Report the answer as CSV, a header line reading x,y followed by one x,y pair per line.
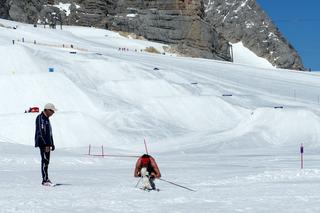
x,y
231,131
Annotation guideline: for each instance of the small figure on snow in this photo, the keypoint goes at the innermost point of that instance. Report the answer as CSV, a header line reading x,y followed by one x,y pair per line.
x,y
147,169
44,140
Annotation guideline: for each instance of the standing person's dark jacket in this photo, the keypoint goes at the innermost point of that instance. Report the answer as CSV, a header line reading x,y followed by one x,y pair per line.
x,y
43,136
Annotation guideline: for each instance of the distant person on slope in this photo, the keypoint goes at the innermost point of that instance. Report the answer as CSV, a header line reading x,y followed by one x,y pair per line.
x,y
44,140
147,169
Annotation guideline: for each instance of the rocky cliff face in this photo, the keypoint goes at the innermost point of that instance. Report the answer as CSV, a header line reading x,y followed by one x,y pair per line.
x,y
91,12
4,9
176,22
24,11
198,28
244,20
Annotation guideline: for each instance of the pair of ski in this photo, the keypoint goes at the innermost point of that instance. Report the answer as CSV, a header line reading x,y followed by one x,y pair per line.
x,y
54,184
149,190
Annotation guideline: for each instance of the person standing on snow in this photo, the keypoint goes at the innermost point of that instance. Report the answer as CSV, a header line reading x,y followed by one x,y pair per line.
x,y
44,140
148,170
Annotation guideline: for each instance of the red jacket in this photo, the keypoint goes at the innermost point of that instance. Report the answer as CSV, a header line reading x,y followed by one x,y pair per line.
x,y
151,165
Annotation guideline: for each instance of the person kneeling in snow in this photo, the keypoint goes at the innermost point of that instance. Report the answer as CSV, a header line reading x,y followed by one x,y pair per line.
x,y
147,169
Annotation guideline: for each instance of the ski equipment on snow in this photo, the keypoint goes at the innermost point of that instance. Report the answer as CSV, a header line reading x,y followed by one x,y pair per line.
x,y
177,185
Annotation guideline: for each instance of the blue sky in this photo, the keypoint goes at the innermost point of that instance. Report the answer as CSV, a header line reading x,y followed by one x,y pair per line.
x,y
299,22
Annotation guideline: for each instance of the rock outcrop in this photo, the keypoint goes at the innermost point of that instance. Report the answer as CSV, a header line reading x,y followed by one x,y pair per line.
x,y
175,22
4,9
91,12
24,11
245,21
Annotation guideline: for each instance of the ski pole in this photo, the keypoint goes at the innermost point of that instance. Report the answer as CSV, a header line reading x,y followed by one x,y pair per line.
x,y
177,185
138,183
145,146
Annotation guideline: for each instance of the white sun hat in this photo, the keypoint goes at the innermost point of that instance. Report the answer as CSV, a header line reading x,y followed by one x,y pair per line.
x,y
50,106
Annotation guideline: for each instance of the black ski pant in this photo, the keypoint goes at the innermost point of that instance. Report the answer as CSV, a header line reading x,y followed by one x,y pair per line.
x,y
152,184
45,159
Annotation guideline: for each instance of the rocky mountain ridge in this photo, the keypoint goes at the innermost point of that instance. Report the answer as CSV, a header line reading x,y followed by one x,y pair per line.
x,y
197,28
245,21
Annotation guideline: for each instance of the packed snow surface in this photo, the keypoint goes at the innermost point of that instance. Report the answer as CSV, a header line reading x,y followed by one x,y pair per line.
x,y
230,131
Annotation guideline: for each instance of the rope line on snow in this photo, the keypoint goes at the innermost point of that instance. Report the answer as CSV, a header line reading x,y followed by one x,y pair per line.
x,y
54,45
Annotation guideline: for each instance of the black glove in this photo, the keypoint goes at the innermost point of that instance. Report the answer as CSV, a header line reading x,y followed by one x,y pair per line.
x,y
53,148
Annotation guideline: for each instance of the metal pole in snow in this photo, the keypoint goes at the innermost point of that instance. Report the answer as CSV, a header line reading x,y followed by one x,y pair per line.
x,y
102,152
138,182
177,184
89,149
145,146
301,156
